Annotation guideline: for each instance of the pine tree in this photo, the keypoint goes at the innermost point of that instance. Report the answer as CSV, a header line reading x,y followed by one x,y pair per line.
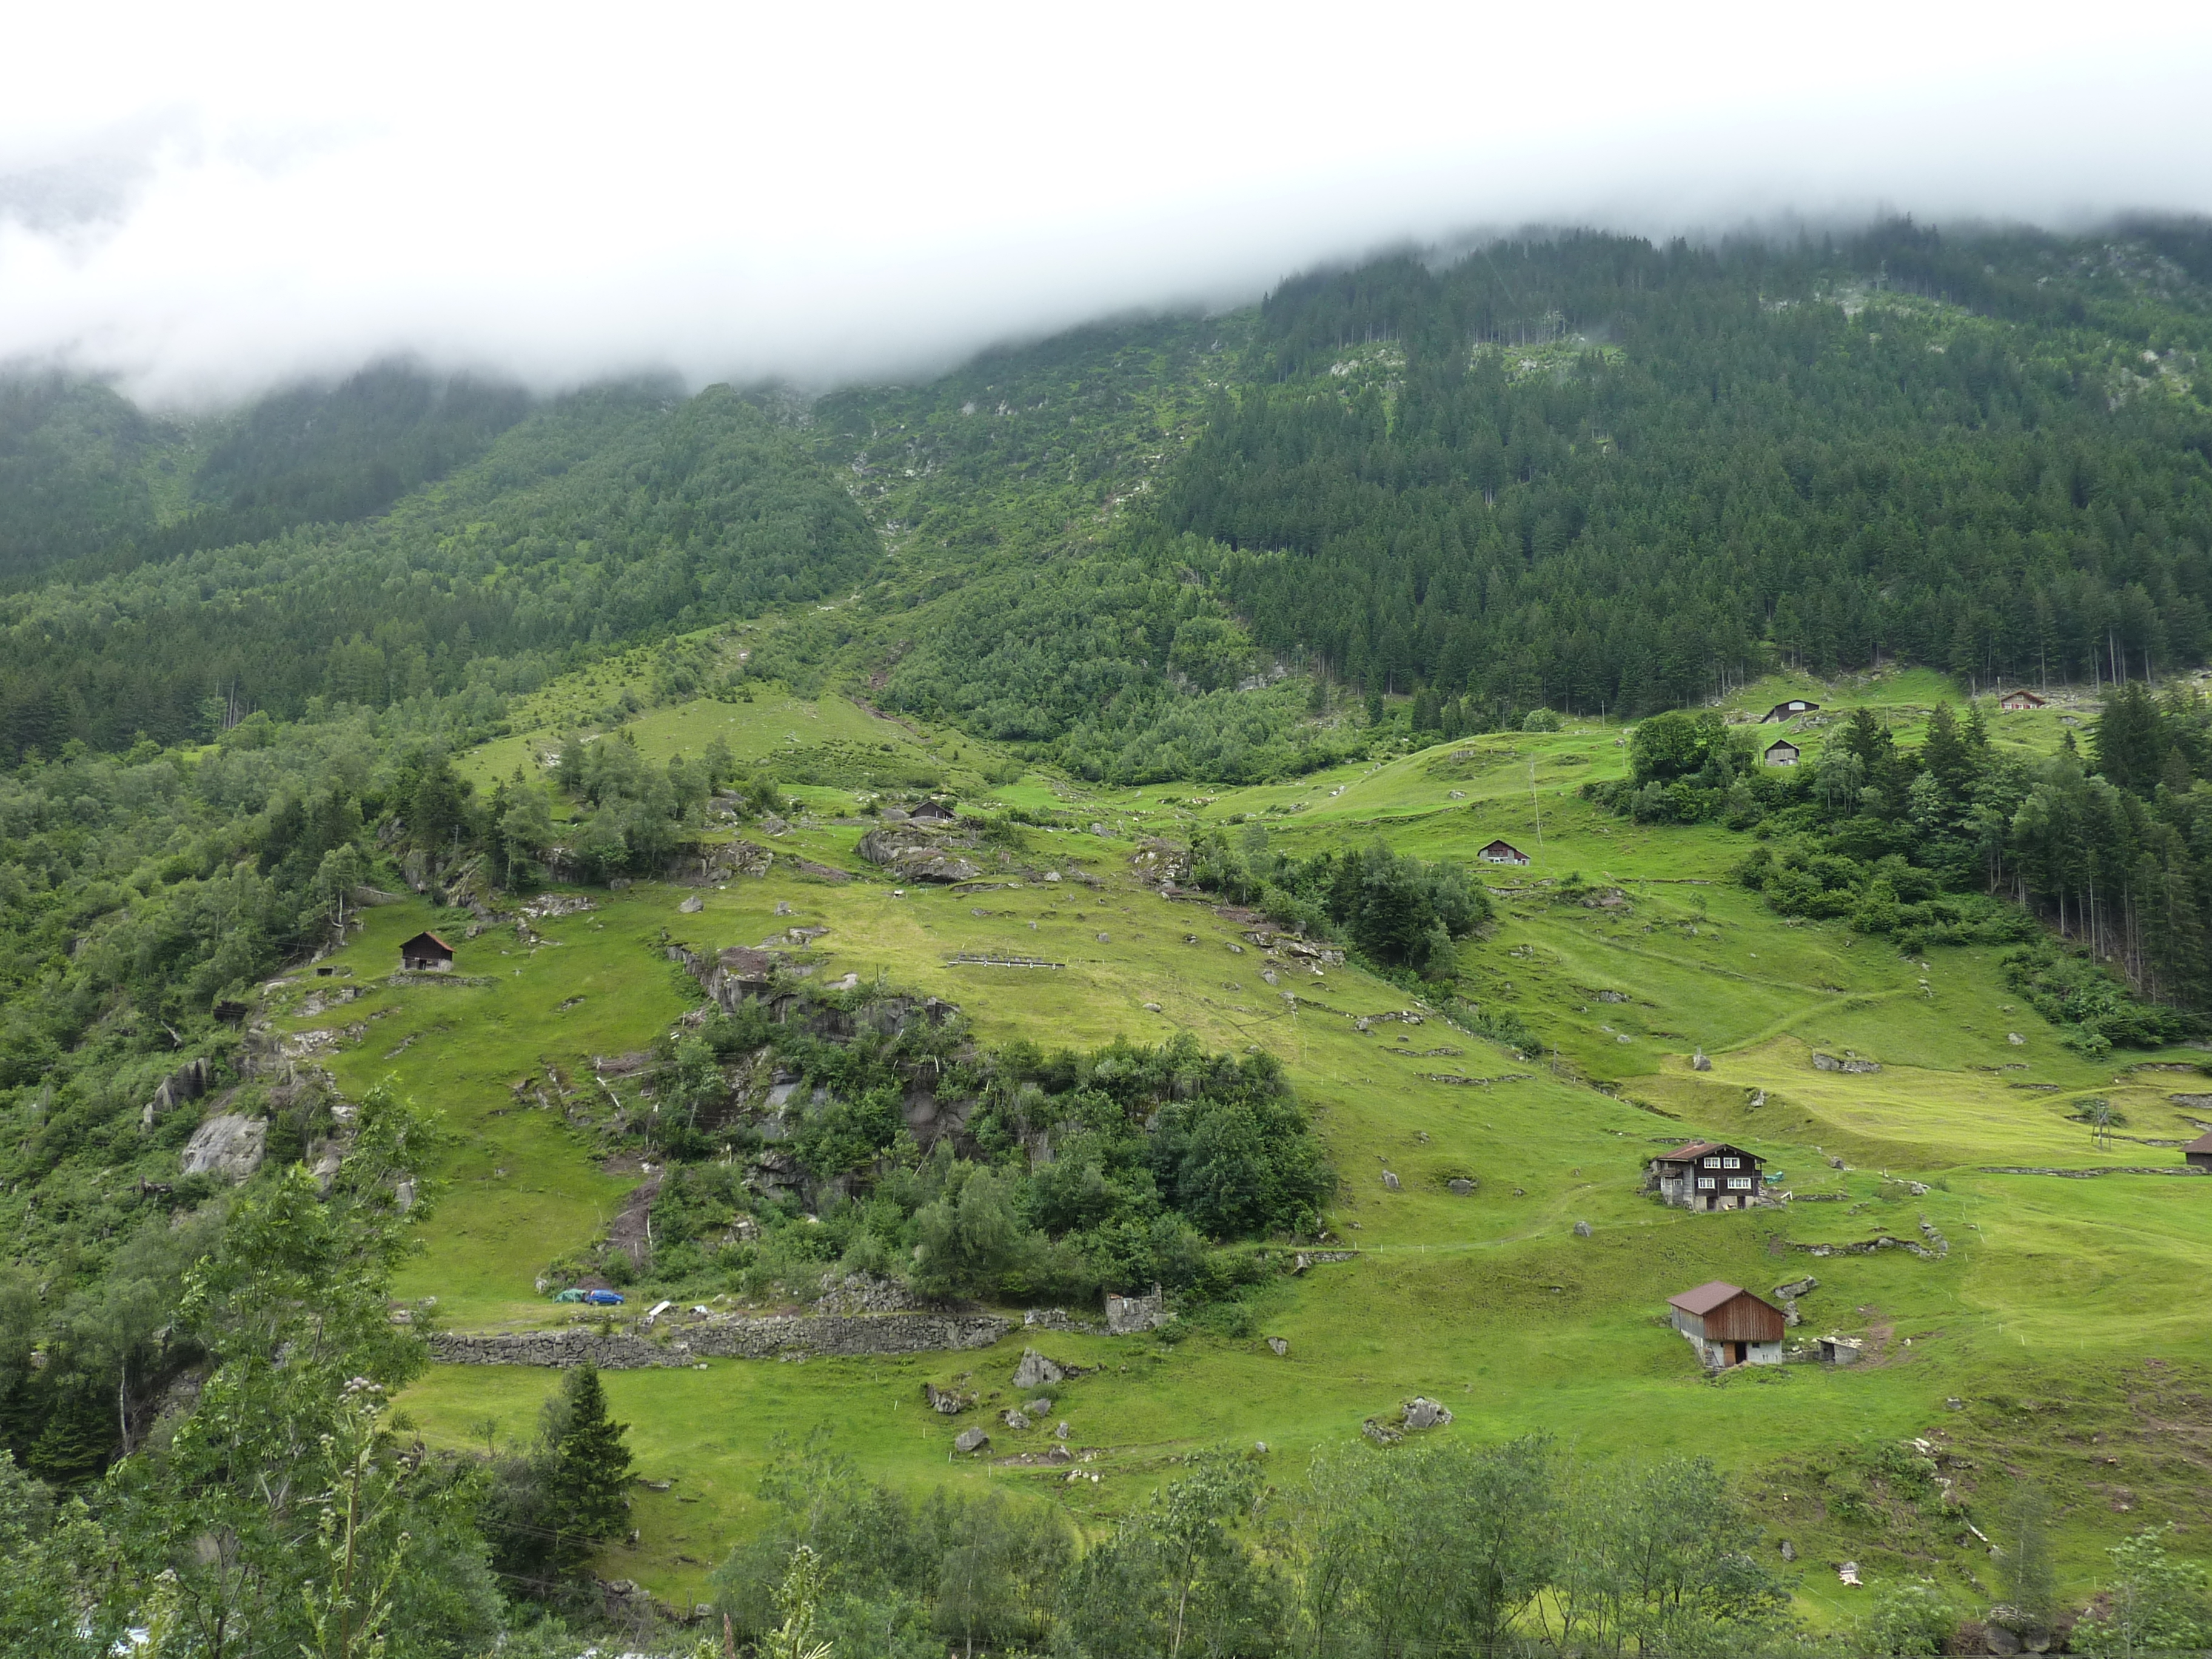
x,y
591,1470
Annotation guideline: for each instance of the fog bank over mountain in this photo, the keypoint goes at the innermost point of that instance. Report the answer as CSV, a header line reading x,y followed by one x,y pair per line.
x,y
205,205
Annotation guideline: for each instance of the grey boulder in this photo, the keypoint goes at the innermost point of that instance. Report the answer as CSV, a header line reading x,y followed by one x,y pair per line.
x,y
1422,1413
1035,1371
970,1440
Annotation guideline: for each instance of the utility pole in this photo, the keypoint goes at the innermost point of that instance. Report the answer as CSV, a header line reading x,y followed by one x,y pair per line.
x,y
1536,805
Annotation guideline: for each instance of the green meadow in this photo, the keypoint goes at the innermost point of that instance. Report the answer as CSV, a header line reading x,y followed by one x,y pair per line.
x,y
2057,1330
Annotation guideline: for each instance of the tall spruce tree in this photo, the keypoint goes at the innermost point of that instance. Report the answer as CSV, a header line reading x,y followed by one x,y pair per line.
x,y
591,1470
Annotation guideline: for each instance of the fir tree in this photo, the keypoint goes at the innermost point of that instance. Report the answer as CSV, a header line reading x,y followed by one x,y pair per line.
x,y
591,1470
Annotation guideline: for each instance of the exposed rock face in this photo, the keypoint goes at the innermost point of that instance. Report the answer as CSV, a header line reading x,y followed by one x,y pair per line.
x,y
970,1440
945,1402
188,1082
1700,1061
1459,1188
1035,1371
1127,1315
1583,1230
229,1146
692,906
1389,1181
1281,1346
1040,1407
728,1339
1014,1419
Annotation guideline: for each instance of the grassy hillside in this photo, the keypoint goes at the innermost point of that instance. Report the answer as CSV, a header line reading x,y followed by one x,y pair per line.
x,y
2061,1316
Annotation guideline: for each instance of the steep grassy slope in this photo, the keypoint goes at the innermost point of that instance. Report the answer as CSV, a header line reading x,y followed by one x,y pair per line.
x,y
2053,1298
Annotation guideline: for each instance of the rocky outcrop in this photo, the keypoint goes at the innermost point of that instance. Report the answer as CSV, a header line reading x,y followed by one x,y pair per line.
x,y
912,852
1851,1064
827,1337
228,1147
188,1082
1035,1371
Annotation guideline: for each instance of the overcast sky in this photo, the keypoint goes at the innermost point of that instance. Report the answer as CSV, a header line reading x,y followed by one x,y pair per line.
x,y
202,200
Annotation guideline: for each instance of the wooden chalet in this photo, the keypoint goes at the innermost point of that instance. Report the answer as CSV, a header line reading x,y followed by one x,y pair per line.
x,y
1781,752
426,953
1727,1325
932,811
1790,710
1708,1174
1501,851
2197,1154
2014,703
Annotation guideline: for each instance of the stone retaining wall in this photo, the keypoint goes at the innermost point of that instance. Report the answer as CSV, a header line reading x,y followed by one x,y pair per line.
x,y
727,1339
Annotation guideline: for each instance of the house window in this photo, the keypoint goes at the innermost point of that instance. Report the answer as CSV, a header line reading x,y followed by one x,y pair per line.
x,y
1731,1163
1704,1182
1712,1164
1738,1181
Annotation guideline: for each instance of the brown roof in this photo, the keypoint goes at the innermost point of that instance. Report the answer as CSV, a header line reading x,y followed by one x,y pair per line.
x,y
2201,1143
1694,1149
1708,1297
434,939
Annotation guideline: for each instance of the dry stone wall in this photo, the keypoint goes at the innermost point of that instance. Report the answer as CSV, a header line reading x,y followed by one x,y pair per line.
x,y
833,1336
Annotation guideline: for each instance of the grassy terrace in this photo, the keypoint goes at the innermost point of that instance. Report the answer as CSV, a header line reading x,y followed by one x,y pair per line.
x,y
2064,1310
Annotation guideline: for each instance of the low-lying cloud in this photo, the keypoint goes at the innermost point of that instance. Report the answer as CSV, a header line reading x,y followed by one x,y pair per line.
x,y
203,204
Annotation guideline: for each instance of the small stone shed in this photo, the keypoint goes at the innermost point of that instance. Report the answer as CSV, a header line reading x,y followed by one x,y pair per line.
x,y
1707,1174
426,953
1727,1325
1501,851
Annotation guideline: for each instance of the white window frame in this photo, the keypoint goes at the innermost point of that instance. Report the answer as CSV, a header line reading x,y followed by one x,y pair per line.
x,y
1731,1163
1705,1183
1739,1183
1712,1164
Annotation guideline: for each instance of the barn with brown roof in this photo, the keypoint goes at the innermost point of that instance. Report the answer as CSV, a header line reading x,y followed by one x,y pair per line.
x,y
1788,711
2197,1154
1707,1174
1501,851
1727,1325
426,953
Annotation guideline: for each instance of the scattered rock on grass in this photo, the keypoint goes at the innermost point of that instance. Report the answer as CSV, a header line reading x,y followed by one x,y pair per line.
x,y
1280,1346
1014,1419
1424,1413
1583,1230
1389,1180
1459,1188
1035,1370
970,1440
948,1402
693,905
